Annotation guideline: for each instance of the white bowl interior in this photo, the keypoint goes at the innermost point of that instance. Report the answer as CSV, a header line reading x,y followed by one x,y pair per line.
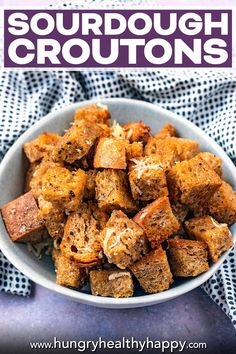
x,y
12,174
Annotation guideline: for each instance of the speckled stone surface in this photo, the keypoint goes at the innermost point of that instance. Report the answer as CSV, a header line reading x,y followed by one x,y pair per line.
x,y
191,317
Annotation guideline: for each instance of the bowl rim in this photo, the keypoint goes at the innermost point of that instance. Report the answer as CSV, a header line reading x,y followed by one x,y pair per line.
x,y
108,302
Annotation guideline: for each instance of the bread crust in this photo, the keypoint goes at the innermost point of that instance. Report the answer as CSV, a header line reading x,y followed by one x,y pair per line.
x,y
157,221
153,272
187,258
23,219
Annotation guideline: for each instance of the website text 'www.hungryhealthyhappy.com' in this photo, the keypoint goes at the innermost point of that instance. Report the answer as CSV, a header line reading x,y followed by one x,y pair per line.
x,y
122,344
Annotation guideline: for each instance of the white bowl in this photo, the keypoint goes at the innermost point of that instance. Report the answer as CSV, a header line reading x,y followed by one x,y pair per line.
x,y
12,173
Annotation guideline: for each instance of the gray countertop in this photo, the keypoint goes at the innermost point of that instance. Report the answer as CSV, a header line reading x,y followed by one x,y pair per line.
x,y
44,315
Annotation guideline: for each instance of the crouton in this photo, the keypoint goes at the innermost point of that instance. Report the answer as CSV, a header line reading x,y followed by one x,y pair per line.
x,y
187,258
42,146
214,162
137,132
35,183
68,272
113,191
166,132
64,188
23,219
96,113
77,141
153,272
110,153
82,235
223,204
113,283
180,211
123,241
182,149
147,179
54,218
134,151
192,182
167,153
89,191
157,221
217,236
29,175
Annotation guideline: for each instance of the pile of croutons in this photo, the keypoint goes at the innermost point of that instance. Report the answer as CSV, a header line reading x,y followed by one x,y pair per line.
x,y
121,203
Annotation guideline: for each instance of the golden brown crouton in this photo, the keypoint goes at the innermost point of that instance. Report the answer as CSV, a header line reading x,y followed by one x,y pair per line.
x,y
113,191
157,221
167,153
187,258
63,187
166,132
182,149
35,183
153,271
113,283
82,235
124,242
96,113
42,146
77,141
217,236
68,272
54,218
192,182
223,204
134,151
214,162
23,219
147,178
110,153
89,192
137,132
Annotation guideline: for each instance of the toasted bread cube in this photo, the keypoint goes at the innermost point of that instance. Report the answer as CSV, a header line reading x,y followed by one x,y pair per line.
x,y
187,258
166,132
110,153
29,176
184,149
214,162
153,272
217,236
42,146
54,218
89,192
137,132
23,219
223,204
82,235
134,151
113,283
113,192
68,272
96,113
167,153
64,188
77,141
158,221
180,211
192,182
124,242
147,179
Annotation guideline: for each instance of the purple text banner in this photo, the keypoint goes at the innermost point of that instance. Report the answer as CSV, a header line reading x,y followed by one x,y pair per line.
x,y
117,38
